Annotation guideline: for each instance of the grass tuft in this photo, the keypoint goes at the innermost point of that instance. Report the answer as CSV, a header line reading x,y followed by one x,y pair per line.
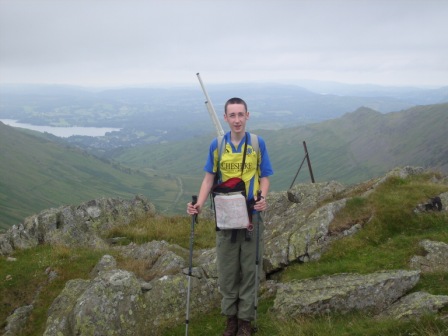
x,y
172,229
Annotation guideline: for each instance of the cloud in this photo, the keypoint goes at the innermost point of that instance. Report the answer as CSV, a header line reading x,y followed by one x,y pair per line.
x,y
134,42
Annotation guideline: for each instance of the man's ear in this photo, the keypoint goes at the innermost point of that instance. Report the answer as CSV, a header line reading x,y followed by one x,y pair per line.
x,y
247,115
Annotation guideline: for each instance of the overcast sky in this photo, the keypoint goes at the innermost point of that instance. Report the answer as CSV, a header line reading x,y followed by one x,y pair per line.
x,y
131,42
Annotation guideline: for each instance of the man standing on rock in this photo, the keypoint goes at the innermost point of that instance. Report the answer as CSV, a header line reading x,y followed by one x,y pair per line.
x,y
236,248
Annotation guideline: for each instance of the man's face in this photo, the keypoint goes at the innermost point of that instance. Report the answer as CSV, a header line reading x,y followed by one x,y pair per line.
x,y
236,116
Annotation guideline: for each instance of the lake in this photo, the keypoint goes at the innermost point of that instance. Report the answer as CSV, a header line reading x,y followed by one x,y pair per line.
x,y
63,132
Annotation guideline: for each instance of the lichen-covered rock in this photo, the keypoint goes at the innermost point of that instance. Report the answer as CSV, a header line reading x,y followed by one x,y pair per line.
x,y
312,239
17,320
150,251
310,194
404,172
111,304
401,172
435,260
415,305
158,257
168,263
60,315
5,245
299,230
106,263
444,200
166,300
343,293
74,225
207,260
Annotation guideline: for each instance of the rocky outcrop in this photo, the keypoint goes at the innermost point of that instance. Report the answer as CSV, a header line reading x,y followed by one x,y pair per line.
x,y
159,258
435,258
401,172
115,302
296,230
74,225
144,308
415,305
17,320
297,222
343,293
110,304
166,300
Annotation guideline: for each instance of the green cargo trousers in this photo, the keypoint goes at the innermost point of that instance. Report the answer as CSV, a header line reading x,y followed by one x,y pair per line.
x,y
236,270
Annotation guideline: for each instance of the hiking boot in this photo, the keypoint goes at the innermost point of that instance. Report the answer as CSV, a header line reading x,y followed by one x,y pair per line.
x,y
232,326
244,328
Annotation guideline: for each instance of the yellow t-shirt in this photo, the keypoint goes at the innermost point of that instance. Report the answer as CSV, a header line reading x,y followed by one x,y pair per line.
x,y
256,164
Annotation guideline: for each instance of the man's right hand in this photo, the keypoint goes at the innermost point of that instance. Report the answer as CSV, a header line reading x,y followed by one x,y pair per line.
x,y
193,209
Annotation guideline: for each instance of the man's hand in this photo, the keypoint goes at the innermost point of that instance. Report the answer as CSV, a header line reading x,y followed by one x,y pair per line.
x,y
193,209
261,205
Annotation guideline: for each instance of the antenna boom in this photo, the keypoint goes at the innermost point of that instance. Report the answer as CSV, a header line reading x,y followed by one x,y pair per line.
x,y
210,109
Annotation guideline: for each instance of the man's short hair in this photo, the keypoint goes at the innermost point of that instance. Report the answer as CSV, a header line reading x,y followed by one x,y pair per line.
x,y
235,100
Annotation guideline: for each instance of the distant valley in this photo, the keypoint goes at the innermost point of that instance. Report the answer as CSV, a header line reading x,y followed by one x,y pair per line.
x,y
161,115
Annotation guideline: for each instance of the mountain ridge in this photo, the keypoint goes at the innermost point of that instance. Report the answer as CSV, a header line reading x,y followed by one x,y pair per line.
x,y
38,173
357,146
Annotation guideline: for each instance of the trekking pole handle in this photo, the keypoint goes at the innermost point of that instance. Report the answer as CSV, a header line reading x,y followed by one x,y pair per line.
x,y
194,200
258,195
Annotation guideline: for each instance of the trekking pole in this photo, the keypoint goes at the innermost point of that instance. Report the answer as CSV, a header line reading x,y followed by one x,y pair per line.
x,y
257,261
193,221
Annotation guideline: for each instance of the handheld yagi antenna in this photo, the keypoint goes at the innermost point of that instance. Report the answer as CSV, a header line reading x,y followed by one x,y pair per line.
x,y
210,109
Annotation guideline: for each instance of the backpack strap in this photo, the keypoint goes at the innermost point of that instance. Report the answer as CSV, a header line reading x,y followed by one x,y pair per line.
x,y
254,142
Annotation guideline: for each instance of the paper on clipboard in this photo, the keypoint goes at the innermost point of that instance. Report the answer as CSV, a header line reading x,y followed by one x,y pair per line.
x,y
231,211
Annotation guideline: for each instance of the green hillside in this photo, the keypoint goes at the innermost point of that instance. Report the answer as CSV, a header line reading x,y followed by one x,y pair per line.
x,y
358,146
365,144
37,174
